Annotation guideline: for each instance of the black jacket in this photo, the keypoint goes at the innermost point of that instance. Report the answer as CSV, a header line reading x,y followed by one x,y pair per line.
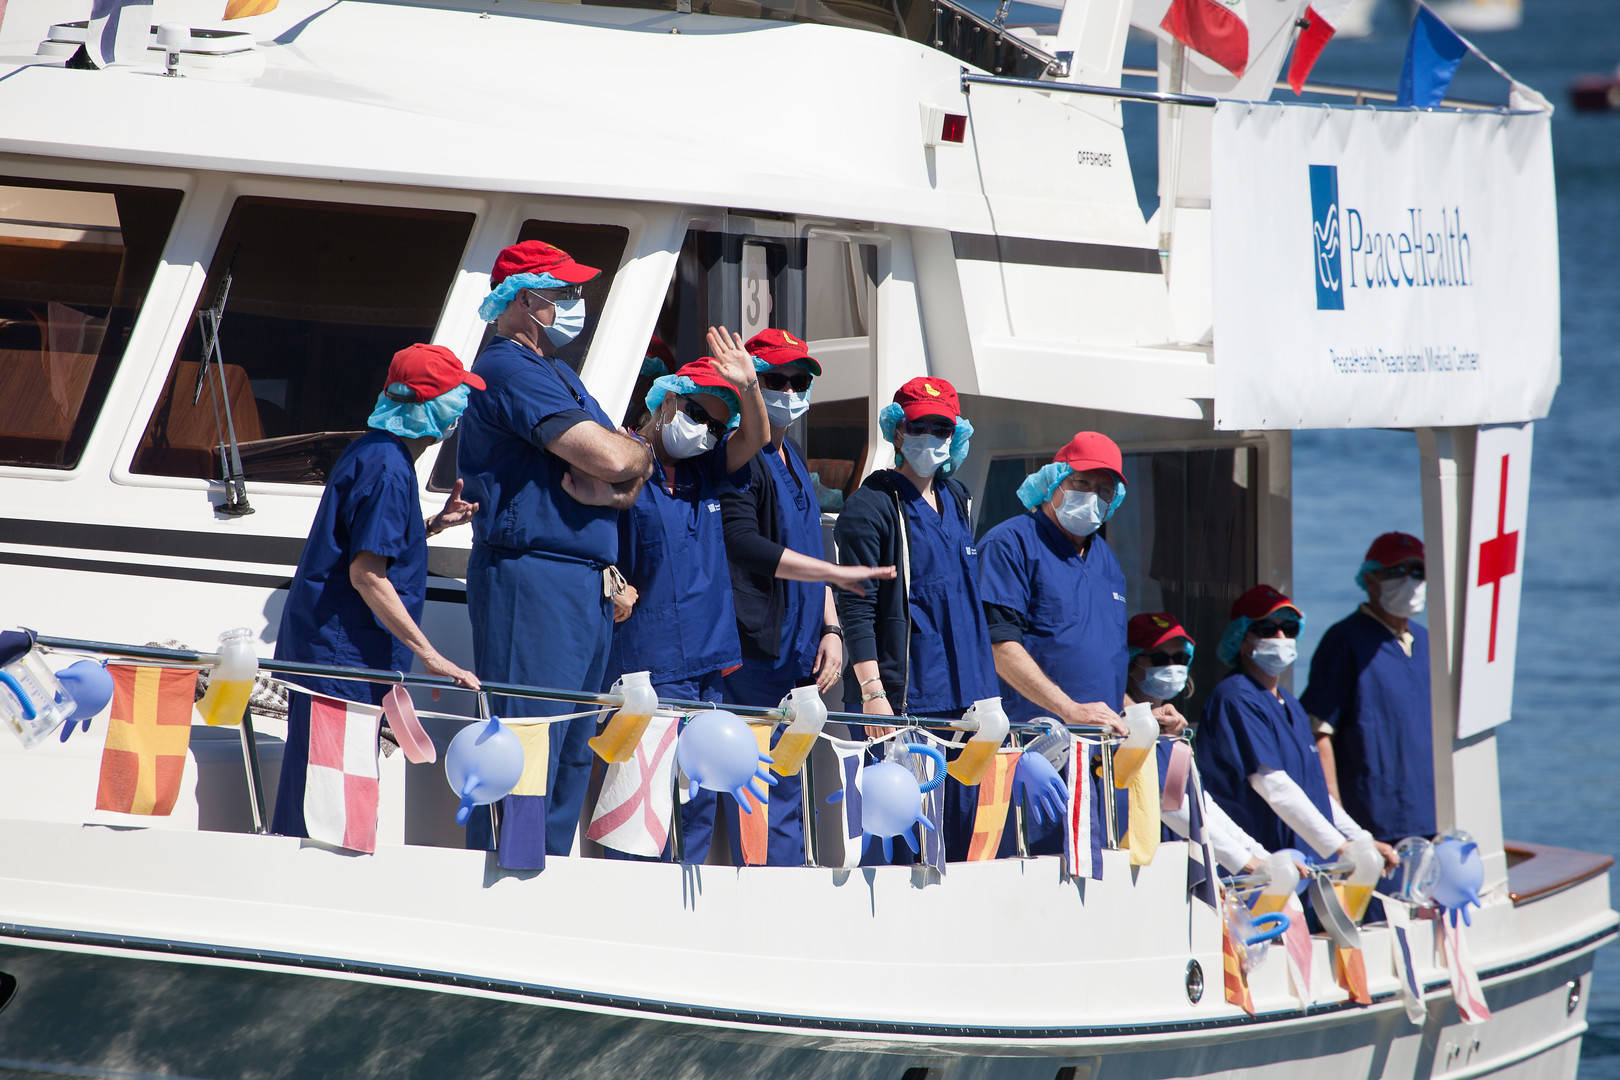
x,y
877,626
754,548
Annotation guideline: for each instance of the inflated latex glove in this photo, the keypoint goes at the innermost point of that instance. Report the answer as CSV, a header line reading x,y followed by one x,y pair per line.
x,y
1039,789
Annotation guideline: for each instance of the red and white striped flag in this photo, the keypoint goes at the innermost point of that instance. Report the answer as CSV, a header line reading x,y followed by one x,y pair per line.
x,y
1322,21
633,812
340,784
1082,840
1297,948
1465,988
1218,29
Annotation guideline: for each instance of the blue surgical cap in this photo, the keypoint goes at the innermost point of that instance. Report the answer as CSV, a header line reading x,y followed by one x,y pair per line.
x,y
419,419
1137,650
1361,574
502,294
889,418
1039,485
1232,638
680,384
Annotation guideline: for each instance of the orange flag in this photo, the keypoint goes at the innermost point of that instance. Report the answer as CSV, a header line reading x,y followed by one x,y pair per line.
x,y
1237,985
755,828
241,9
1352,973
148,734
990,820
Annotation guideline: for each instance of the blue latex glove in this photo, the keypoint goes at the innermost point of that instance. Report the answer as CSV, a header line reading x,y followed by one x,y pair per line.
x,y
1039,789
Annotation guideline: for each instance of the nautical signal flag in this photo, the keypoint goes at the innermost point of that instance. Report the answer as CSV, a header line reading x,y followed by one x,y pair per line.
x,y
995,795
1082,831
1297,949
1322,21
754,832
638,799
1218,29
148,735
1351,969
340,781
522,843
851,763
1143,824
1432,54
1465,988
1236,983
241,9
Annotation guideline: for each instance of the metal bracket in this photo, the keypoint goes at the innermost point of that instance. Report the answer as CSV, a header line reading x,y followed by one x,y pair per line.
x,y
1063,63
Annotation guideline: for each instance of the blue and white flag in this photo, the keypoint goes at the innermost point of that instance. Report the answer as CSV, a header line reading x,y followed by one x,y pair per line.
x,y
1405,969
1432,54
1200,871
851,762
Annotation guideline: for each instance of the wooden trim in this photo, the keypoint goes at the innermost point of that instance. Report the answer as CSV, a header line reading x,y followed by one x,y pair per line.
x,y
1537,871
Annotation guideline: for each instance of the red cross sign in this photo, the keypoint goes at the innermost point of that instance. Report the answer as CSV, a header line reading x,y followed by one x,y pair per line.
x,y
1490,601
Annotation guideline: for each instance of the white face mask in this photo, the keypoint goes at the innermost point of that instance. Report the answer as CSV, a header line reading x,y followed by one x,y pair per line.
x,y
566,324
1275,655
684,437
784,406
1402,597
926,453
1164,683
1080,513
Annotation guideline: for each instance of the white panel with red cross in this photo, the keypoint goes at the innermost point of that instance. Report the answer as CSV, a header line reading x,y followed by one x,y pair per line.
x,y
1495,575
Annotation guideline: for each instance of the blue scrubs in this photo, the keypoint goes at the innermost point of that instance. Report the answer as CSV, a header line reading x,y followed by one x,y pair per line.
x,y
765,682
1377,699
1246,729
1075,606
951,665
683,628
534,580
370,504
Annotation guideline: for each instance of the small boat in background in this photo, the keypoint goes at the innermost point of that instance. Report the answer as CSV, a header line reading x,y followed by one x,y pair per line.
x,y
1596,93
1480,16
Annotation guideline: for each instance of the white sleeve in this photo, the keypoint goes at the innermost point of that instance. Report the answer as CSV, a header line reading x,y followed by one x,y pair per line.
x,y
1232,846
1345,823
1296,810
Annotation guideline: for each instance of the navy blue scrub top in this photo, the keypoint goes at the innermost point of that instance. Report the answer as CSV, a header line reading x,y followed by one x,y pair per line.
x,y
951,665
370,504
1377,699
673,550
1245,730
530,400
1075,606
799,516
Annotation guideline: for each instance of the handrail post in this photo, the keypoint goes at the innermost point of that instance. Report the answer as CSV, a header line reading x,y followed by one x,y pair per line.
x,y
1110,812
250,763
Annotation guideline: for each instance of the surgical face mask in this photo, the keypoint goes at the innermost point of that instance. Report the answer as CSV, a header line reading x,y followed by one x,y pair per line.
x,y
1080,513
684,437
926,453
1164,683
566,324
1275,655
784,406
1402,597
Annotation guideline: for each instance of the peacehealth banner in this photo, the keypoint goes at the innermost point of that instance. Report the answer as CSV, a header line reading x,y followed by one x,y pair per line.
x,y
1382,268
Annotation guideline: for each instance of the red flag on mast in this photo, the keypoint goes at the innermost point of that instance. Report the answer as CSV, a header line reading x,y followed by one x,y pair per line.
x,y
1322,21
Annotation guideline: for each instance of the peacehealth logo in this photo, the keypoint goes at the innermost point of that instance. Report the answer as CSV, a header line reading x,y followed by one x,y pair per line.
x,y
1385,254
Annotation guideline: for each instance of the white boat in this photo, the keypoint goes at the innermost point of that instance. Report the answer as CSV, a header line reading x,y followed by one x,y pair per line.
x,y
913,191
1480,16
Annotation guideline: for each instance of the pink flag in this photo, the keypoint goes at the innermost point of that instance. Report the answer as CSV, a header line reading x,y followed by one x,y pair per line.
x,y
1297,947
340,785
1465,988
637,801
1322,20
1218,29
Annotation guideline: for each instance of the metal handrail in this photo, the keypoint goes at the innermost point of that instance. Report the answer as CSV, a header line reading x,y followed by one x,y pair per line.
x,y
1158,97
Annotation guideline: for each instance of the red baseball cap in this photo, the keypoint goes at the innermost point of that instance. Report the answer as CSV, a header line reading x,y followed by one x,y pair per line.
x,y
1151,629
1261,601
539,257
1395,547
702,372
928,396
777,347
1092,450
430,370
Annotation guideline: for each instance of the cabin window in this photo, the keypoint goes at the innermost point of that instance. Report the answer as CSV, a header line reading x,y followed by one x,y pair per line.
x,y
317,298
1185,537
75,264
601,246
840,284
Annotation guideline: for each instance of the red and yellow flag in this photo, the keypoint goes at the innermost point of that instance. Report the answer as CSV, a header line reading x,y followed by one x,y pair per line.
x,y
990,820
241,9
1237,984
1351,970
755,829
148,734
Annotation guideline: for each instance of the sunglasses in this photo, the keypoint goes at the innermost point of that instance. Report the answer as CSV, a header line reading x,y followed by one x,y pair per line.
x,y
1269,628
697,412
943,429
776,380
560,294
1104,490
1166,659
1391,573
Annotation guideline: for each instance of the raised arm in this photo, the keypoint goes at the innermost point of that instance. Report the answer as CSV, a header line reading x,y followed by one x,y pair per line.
x,y
734,364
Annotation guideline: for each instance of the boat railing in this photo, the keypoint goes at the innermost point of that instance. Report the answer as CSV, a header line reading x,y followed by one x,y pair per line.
x,y
187,658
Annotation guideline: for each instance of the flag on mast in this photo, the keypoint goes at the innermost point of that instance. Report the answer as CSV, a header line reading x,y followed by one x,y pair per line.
x,y
1322,20
1218,29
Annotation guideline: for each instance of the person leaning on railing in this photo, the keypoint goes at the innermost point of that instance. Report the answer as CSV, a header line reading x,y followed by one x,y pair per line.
x,y
357,597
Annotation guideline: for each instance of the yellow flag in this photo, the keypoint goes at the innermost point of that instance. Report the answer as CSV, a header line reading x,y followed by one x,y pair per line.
x,y
536,740
1142,831
241,9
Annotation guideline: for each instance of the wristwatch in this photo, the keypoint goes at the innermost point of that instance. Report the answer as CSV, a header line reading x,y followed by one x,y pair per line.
x,y
832,628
